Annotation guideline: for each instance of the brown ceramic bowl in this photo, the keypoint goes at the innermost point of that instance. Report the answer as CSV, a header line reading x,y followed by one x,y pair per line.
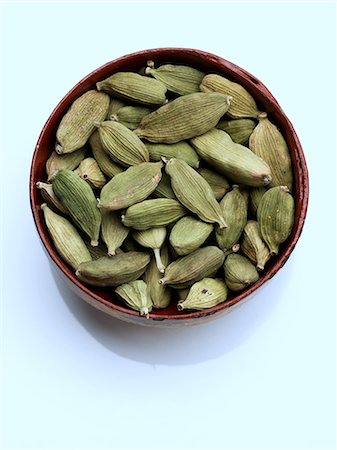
x,y
105,300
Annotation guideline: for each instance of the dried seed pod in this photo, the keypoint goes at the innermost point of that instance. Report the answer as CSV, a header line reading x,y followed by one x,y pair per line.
x,y
177,78
68,161
205,293
107,166
253,246
67,241
49,196
255,196
90,172
183,118
238,129
152,238
242,104
115,105
234,210
130,116
96,252
182,150
121,144
200,264
113,231
235,161
193,191
218,183
239,272
160,294
188,234
134,87
136,295
164,189
107,271
78,198
275,216
153,213
130,187
268,143
78,123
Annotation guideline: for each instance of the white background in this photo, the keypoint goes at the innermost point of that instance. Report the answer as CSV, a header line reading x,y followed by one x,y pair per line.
x,y
262,377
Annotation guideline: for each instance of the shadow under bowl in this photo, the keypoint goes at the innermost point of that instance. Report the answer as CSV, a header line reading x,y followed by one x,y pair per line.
x,y
104,299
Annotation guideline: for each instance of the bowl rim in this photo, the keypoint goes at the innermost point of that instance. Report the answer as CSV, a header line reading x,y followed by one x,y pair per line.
x,y
303,187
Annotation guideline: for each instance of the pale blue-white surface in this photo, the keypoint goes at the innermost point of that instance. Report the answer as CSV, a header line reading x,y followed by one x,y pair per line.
x,y
262,377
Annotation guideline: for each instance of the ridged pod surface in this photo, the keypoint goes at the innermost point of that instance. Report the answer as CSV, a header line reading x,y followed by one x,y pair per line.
x,y
239,272
188,234
79,200
217,182
177,78
108,167
164,188
275,216
90,172
181,150
193,191
253,246
68,161
255,196
205,293
160,294
134,87
194,267
113,231
242,104
154,239
136,295
153,213
238,129
268,143
66,238
130,187
131,116
121,144
235,161
183,118
78,123
113,271
50,198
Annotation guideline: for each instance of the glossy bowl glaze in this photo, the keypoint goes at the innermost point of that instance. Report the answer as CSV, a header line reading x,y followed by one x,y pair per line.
x,y
104,299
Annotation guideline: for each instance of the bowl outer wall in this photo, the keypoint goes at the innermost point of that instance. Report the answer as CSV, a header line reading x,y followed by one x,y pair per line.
x,y
206,62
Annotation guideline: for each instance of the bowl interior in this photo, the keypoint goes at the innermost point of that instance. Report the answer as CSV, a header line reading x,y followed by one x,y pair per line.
x,y
207,63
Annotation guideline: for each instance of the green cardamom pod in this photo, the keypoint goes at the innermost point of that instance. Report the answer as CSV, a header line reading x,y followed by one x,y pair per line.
x,y
136,295
193,191
107,271
160,294
78,123
96,252
242,104
177,78
107,166
182,150
68,161
90,172
234,210
130,187
238,129
200,264
188,234
50,198
182,293
268,143
130,116
152,238
253,246
275,216
67,241
183,118
113,231
158,212
78,198
235,161
218,183
239,272
205,293
134,87
121,144
115,105
255,196
164,189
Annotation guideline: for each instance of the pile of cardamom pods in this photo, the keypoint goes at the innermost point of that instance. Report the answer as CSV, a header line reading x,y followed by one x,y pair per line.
x,y
168,180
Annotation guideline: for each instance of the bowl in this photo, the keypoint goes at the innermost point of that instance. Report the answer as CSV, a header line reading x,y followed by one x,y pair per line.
x,y
103,299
